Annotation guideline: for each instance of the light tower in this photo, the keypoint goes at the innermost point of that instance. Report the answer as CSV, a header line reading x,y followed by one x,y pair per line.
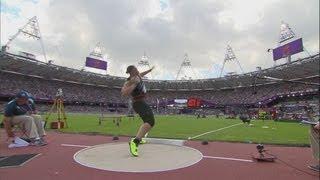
x,y
32,30
184,68
286,33
97,51
144,65
230,57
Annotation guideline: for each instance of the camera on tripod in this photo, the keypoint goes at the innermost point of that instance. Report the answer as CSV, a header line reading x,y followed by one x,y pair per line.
x,y
262,156
58,109
260,148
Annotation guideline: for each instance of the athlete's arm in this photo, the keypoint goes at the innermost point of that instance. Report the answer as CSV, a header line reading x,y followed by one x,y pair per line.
x,y
129,86
146,72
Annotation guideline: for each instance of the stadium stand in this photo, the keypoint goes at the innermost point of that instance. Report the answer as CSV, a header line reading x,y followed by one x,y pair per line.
x,y
84,90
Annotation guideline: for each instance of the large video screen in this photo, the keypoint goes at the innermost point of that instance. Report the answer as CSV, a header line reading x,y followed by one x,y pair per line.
x,y
96,63
194,102
289,49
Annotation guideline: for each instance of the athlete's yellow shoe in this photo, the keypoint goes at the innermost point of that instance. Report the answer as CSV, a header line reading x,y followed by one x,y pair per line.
x,y
133,148
142,141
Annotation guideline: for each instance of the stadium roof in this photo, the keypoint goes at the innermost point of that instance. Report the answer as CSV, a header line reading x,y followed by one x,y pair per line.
x,y
300,69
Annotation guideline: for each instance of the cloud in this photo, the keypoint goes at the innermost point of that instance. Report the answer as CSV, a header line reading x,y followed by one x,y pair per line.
x,y
165,30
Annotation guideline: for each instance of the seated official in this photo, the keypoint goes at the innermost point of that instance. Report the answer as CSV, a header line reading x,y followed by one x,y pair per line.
x,y
314,140
21,111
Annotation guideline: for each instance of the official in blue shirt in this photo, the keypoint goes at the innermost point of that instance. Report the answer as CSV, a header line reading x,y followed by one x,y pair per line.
x,y
21,111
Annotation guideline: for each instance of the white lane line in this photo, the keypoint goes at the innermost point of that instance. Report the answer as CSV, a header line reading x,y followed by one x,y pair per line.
x,y
225,158
214,131
75,145
231,159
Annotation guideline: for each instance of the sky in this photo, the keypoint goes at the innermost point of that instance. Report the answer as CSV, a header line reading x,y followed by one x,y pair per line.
x,y
165,30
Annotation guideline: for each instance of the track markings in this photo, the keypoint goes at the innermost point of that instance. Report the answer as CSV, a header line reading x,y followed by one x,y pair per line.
x,y
207,157
230,159
75,145
209,132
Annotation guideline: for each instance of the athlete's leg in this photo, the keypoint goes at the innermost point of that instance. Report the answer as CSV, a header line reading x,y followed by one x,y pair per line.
x,y
143,130
146,115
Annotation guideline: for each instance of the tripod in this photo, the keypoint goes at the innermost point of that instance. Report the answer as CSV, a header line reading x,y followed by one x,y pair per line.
x,y
58,107
262,155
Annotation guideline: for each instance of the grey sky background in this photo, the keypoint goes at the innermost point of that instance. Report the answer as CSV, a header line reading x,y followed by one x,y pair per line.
x,y
164,29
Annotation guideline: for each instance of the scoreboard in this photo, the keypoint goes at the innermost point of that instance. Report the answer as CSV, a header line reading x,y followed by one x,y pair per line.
x,y
194,103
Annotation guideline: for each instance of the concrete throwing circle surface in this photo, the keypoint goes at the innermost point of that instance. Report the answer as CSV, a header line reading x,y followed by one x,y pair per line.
x,y
152,157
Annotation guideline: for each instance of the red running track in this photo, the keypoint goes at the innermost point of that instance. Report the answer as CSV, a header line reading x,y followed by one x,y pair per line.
x,y
56,162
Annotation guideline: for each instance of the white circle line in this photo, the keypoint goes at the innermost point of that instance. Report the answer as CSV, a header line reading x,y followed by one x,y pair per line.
x,y
74,158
